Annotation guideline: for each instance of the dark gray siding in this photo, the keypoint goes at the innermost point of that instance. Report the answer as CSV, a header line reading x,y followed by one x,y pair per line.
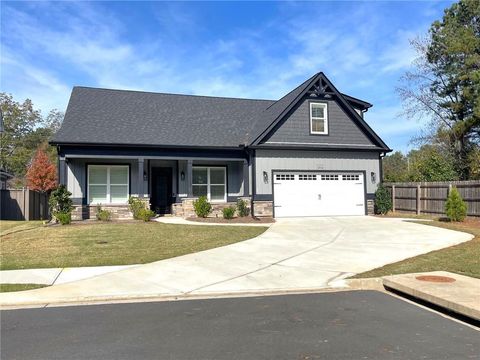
x,y
341,129
268,160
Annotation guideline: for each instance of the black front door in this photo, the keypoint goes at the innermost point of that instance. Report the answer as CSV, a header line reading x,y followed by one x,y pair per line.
x,y
161,199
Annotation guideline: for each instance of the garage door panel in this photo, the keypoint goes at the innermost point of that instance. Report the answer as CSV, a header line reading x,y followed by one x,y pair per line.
x,y
318,194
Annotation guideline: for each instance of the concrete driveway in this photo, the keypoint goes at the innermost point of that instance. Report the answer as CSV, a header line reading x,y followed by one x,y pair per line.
x,y
293,254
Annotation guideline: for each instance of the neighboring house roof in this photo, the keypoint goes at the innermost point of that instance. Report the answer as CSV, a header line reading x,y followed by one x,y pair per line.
x,y
5,175
122,117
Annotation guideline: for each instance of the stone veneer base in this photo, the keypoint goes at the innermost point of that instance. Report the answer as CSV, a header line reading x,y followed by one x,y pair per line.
x,y
185,209
84,212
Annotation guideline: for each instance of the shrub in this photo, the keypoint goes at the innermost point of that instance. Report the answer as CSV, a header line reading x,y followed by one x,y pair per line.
x,y
60,200
145,214
455,207
60,205
228,212
202,207
64,217
103,215
136,207
383,200
242,208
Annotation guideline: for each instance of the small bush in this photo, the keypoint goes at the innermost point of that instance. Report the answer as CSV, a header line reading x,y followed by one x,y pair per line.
x,y
455,207
64,217
145,214
383,200
202,207
242,208
228,212
60,200
103,215
136,207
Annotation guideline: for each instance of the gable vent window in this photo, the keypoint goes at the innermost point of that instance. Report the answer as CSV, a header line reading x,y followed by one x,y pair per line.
x,y
318,118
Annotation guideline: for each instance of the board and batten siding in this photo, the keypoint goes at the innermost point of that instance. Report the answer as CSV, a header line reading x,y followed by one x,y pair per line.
x,y
268,160
341,129
77,176
234,175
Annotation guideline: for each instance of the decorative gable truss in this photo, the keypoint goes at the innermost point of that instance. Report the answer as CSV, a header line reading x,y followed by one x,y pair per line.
x,y
318,88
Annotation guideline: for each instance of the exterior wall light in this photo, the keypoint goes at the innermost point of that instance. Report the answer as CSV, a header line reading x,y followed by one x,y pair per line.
x,y
265,177
182,176
373,176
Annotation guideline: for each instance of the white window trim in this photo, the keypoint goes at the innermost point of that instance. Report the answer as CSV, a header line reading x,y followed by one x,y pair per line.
x,y
208,184
109,198
325,119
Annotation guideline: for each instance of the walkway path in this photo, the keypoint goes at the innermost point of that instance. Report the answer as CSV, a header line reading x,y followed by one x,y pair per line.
x,y
292,255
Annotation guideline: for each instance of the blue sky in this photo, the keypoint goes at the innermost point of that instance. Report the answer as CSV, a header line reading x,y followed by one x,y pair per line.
x,y
248,49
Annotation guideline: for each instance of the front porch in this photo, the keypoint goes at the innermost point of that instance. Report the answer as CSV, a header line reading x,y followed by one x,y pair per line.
x,y
168,184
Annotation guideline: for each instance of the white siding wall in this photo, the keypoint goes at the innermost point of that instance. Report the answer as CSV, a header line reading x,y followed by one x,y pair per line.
x,y
268,160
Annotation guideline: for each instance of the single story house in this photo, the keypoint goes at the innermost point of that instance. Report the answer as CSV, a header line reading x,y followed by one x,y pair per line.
x,y
310,153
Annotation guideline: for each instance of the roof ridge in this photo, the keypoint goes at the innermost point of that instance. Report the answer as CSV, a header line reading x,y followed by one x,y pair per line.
x,y
172,94
310,78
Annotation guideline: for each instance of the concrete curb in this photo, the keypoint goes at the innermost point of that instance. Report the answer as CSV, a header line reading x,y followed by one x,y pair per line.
x,y
97,300
431,294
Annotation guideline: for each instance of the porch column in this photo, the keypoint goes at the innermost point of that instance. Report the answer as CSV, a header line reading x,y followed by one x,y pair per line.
x,y
62,171
140,177
246,178
189,178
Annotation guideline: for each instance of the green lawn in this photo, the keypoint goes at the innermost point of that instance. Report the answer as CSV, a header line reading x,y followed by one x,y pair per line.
x,y
7,226
462,259
19,287
32,245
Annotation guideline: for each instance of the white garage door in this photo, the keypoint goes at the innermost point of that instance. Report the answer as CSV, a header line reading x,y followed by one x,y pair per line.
x,y
318,194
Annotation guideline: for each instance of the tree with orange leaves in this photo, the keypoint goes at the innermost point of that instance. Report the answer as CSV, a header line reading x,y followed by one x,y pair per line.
x,y
42,173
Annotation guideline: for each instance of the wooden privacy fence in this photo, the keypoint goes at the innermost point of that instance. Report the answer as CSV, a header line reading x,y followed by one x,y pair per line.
x,y
23,204
430,197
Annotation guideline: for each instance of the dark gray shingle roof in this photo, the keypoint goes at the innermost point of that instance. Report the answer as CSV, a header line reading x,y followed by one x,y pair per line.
x,y
102,116
123,117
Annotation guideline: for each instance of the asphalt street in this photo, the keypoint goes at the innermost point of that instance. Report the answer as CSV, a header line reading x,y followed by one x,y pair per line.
x,y
343,325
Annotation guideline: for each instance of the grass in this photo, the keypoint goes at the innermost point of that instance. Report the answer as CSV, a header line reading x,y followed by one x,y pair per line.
x,y
19,287
8,227
114,243
463,259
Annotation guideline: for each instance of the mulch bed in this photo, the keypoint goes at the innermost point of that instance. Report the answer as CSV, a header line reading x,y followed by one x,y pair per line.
x,y
237,220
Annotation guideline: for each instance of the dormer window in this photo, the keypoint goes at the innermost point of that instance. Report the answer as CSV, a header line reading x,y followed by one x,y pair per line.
x,y
318,118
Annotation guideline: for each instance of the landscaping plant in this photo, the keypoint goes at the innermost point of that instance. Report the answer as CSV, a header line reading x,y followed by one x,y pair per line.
x,y
383,200
60,204
202,207
145,214
63,217
455,207
136,205
242,208
103,215
229,212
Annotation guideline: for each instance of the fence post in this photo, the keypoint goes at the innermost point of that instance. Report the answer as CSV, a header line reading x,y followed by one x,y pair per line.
x,y
26,203
449,189
393,198
418,200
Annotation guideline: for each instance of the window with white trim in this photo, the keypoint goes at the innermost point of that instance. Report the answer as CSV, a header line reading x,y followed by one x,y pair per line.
x,y
318,118
210,182
108,184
